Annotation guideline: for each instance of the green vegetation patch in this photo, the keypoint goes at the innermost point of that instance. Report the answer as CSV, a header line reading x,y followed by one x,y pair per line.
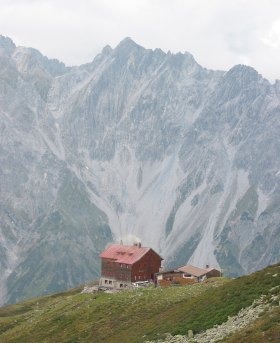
x,y
134,315
265,329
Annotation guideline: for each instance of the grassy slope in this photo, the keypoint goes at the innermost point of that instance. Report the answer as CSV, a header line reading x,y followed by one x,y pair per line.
x,y
133,316
265,329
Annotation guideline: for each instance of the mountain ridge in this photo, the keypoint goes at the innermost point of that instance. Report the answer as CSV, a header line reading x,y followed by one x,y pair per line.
x,y
146,145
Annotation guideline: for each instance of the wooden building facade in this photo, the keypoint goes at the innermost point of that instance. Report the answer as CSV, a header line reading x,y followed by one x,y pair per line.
x,y
122,265
188,272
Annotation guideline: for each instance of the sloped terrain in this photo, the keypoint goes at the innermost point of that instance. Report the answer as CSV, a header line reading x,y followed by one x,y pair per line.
x,y
145,314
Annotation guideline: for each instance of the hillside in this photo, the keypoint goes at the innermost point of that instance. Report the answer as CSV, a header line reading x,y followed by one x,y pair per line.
x,y
146,314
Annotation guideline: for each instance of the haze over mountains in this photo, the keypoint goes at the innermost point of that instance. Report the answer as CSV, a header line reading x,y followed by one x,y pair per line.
x,y
138,144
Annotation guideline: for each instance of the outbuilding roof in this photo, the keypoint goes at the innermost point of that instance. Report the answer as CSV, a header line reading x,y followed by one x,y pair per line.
x,y
195,271
128,254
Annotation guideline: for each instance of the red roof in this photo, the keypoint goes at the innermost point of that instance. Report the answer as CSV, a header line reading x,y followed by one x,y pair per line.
x,y
128,254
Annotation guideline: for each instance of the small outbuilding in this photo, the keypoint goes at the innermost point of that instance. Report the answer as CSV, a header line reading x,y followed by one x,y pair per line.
x,y
187,273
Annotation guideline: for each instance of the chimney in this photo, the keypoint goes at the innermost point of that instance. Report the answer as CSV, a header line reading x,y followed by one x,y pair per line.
x,y
207,266
139,245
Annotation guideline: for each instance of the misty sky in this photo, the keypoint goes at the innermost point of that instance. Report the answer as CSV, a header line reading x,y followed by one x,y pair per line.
x,y
219,33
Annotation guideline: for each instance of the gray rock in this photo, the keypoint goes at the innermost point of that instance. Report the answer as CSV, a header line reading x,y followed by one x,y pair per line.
x,y
121,148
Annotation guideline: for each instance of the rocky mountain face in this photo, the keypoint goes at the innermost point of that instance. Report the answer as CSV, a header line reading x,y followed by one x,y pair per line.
x,y
138,144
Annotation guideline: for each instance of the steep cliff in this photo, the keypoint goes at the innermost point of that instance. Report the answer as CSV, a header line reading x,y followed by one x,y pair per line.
x,y
137,143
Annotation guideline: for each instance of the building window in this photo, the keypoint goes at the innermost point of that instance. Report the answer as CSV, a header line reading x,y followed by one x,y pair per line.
x,y
106,281
121,285
110,282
